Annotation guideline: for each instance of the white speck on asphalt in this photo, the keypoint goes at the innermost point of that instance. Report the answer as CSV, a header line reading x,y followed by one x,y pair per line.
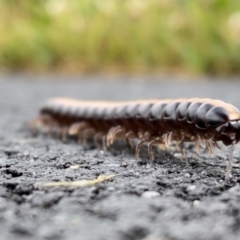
x,y
150,194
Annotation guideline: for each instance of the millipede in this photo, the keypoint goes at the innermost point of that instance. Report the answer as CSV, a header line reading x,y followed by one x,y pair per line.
x,y
201,121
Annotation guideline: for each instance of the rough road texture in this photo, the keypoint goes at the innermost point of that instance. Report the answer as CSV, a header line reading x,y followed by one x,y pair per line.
x,y
191,201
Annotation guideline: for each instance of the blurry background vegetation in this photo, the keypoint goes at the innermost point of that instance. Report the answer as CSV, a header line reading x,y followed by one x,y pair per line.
x,y
199,37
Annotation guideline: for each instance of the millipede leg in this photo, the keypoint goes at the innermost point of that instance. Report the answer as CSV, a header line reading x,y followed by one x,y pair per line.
x,y
197,147
87,133
111,134
51,131
63,134
230,161
138,147
202,142
48,129
181,146
140,135
210,147
150,145
215,143
167,138
77,127
129,135
120,131
80,138
104,143
34,125
96,139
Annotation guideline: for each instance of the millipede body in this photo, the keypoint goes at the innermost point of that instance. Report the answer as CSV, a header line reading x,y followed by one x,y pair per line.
x,y
204,122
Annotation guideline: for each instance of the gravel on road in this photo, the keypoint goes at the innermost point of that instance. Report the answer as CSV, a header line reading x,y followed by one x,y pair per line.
x,y
168,199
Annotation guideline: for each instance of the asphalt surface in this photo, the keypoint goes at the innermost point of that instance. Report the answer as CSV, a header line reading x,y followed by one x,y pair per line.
x,y
168,199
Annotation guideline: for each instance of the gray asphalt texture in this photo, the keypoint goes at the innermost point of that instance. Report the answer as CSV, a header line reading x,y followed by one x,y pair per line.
x,y
192,200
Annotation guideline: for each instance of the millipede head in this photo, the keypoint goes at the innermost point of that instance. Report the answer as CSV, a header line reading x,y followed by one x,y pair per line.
x,y
235,126
229,132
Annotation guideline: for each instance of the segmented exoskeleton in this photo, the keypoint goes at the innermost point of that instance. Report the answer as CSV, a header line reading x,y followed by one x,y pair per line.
x,y
204,122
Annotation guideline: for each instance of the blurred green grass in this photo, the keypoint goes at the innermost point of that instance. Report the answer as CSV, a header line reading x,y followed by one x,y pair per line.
x,y
200,37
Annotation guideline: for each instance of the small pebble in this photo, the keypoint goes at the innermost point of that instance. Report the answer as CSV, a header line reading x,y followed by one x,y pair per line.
x,y
177,155
75,167
111,189
124,164
150,194
35,157
26,154
191,188
196,203
187,175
